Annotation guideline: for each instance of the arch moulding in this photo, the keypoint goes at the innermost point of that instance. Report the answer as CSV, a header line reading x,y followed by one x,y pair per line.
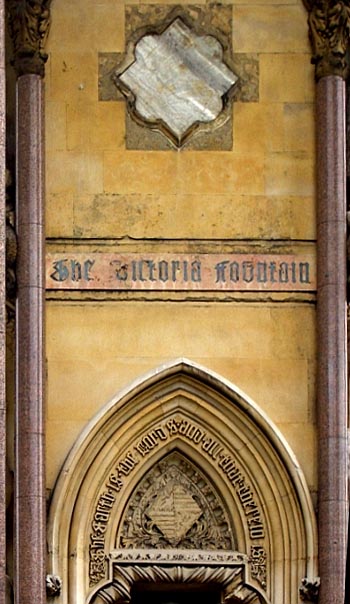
x,y
181,478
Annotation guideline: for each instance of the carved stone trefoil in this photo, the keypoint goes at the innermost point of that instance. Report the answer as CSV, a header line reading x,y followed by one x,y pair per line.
x,y
29,22
329,31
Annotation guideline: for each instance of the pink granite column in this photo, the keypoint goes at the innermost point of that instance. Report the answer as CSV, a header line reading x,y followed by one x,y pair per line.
x,y
332,355
2,317
28,26
30,537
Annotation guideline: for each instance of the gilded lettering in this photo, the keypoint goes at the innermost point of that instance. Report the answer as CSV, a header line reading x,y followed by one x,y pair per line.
x,y
261,274
152,268
248,271
220,269
175,267
75,270
234,272
185,270
61,272
196,271
121,270
133,270
304,272
273,271
283,274
294,277
163,270
141,277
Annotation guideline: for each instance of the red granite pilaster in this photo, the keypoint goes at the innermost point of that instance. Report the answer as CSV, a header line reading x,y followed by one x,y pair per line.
x,y
332,353
2,316
30,538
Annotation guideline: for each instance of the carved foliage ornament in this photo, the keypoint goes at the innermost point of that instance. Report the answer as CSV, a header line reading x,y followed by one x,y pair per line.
x,y
53,586
175,506
329,31
179,567
29,22
309,589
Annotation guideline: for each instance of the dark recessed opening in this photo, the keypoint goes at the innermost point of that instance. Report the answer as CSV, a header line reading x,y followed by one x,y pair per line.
x,y
146,593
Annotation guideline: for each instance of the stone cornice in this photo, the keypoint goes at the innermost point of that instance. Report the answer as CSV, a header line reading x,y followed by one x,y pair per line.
x,y
329,31
29,22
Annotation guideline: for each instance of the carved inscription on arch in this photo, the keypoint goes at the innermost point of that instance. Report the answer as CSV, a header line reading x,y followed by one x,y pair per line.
x,y
215,450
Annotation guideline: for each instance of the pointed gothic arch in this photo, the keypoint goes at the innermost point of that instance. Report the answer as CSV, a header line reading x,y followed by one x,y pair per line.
x,y
181,411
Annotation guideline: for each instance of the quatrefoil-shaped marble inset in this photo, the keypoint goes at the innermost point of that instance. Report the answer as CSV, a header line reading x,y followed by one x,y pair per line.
x,y
176,81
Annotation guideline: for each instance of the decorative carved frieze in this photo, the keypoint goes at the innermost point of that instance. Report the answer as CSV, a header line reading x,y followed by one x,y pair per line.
x,y
225,569
29,22
329,30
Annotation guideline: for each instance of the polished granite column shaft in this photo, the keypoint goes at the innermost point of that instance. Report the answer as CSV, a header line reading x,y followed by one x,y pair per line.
x,y
30,538
331,322
2,316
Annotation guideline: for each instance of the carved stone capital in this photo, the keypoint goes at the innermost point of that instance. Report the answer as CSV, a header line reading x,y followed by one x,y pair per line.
x,y
329,29
29,22
309,589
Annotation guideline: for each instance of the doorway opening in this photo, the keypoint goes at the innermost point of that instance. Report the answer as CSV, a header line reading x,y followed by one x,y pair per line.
x,y
170,593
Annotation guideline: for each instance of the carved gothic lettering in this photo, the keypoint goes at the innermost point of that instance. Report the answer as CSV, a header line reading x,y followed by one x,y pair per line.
x,y
174,505
258,564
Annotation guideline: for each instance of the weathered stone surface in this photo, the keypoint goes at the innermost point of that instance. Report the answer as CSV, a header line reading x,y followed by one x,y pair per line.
x,y
108,63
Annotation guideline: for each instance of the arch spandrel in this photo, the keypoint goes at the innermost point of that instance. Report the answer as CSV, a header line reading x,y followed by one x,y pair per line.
x,y
184,408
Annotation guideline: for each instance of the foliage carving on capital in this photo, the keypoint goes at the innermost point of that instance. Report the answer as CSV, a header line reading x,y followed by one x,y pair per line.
x,y
309,589
29,22
329,31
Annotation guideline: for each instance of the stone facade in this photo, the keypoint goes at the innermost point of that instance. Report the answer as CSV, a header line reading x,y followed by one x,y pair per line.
x,y
181,438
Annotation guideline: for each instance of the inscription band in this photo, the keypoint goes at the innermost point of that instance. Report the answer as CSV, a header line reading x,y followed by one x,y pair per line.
x,y
177,425
180,272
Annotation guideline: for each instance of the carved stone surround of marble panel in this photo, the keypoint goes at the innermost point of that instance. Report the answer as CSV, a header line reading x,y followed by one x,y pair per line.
x,y
203,21
176,81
